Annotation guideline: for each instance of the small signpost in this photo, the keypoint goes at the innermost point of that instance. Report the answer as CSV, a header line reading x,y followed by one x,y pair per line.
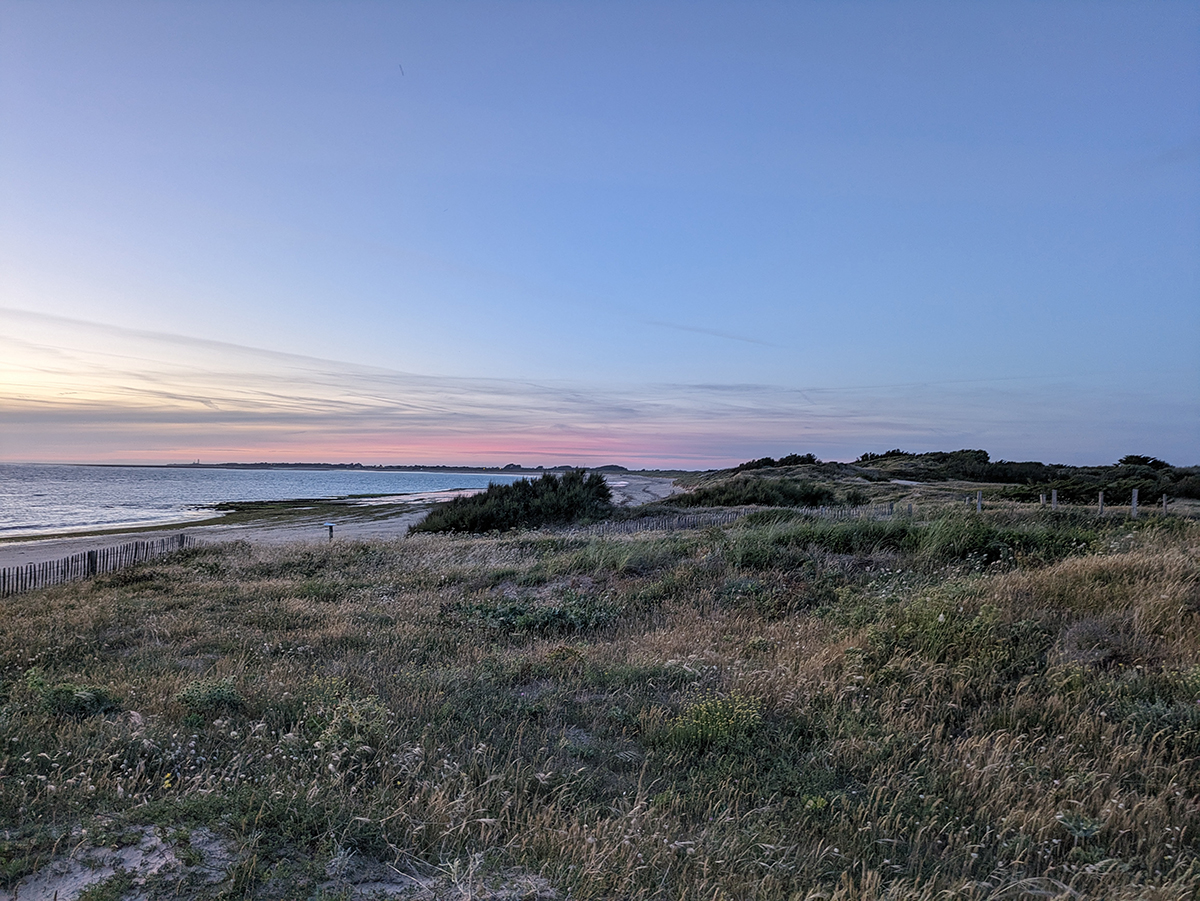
x,y
330,525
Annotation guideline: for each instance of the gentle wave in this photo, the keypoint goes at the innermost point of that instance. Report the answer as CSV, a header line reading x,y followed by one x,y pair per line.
x,y
38,499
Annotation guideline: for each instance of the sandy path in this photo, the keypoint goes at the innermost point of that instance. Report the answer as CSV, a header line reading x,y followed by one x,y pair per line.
x,y
631,490
628,490
19,553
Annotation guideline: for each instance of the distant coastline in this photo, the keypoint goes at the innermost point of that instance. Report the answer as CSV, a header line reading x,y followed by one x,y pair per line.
x,y
41,499
507,469
368,467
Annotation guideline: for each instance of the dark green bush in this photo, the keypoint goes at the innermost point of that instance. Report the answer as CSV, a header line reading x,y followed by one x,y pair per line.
x,y
1142,460
765,492
769,462
1027,480
1187,485
208,696
550,500
69,699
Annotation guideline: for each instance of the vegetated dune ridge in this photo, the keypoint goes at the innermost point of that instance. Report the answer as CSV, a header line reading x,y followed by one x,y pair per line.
x,y
982,705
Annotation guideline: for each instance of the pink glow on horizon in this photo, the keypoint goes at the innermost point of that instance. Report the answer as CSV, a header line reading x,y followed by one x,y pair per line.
x,y
633,451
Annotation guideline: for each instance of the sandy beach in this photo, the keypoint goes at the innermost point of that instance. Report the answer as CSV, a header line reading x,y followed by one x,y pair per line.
x,y
628,490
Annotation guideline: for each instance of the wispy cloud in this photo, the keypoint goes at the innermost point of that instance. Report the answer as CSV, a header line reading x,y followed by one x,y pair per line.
x,y
728,336
73,390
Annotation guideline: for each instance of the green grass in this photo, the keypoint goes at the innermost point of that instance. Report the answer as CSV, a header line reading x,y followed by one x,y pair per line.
x,y
114,888
954,536
969,706
766,492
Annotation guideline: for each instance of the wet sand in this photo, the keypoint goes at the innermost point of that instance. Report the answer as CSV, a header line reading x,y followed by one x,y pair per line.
x,y
627,489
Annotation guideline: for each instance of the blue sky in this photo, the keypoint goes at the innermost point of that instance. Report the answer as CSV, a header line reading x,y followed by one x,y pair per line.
x,y
653,234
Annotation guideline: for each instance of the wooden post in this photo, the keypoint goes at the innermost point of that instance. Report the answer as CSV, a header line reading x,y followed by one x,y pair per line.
x,y
1133,505
1053,498
1101,503
978,501
1043,498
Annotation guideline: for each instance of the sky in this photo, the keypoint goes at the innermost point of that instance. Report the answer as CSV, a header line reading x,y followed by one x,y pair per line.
x,y
679,234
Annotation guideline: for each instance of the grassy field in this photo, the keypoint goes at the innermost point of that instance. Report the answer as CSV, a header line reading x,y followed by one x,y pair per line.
x,y
1003,705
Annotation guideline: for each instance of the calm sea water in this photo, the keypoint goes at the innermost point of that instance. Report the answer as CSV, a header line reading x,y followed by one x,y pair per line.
x,y
38,499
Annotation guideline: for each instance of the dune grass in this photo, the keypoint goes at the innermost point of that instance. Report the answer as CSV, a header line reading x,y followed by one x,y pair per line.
x,y
996,707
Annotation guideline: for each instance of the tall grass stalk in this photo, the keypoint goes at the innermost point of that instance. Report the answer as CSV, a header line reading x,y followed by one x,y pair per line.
x,y
983,708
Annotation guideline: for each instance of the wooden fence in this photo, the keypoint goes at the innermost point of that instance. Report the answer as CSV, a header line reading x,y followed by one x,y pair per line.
x,y
15,579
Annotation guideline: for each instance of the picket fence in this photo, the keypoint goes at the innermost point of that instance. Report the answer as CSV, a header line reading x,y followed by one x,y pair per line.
x,y
15,579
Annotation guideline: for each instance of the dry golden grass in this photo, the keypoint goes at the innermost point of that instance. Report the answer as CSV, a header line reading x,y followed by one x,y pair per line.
x,y
895,726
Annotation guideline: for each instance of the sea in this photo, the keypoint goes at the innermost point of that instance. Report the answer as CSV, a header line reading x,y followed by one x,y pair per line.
x,y
40,499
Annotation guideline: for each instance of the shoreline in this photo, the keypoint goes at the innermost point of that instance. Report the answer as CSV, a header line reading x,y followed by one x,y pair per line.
x,y
362,520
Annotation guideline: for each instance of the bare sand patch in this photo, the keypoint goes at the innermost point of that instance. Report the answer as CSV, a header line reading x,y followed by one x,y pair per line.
x,y
630,490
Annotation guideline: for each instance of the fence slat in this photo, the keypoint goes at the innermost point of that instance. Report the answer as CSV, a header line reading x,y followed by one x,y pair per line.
x,y
16,579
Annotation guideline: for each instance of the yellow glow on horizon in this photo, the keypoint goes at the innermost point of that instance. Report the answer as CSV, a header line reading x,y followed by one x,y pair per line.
x,y
81,392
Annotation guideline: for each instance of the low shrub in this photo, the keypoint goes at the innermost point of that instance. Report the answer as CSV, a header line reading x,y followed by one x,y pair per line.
x,y
342,719
550,500
713,723
764,492
1026,481
207,696
771,462
69,699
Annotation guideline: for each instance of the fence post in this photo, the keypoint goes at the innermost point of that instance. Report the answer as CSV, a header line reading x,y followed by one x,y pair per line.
x,y
1053,498
978,501
1043,498
1101,503
1133,505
